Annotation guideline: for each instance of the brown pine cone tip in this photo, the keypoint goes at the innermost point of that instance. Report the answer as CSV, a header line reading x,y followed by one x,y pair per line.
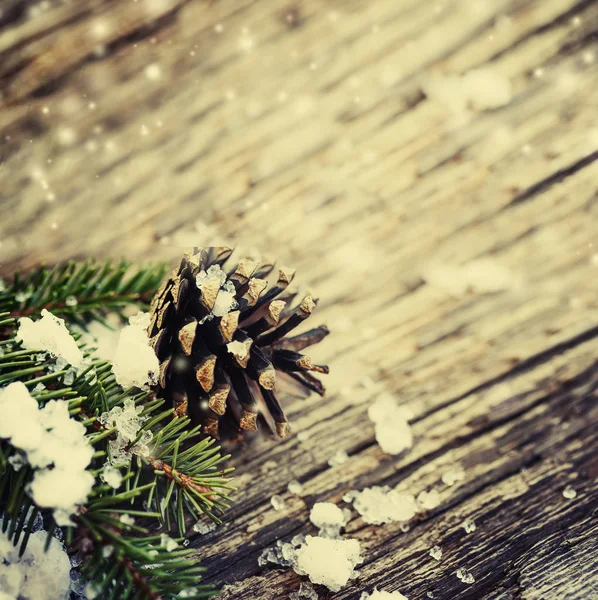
x,y
220,339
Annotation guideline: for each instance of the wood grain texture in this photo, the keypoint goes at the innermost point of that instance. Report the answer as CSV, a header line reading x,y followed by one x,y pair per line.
x,y
454,253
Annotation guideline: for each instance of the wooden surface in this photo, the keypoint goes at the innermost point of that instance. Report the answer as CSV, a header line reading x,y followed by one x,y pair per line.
x,y
455,255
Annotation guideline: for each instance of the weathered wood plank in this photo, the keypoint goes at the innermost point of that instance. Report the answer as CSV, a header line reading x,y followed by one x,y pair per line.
x,y
137,128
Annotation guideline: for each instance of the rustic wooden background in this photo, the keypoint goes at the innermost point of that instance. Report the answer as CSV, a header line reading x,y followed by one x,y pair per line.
x,y
456,256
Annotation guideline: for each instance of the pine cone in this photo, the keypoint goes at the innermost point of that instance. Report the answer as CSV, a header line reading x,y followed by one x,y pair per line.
x,y
220,339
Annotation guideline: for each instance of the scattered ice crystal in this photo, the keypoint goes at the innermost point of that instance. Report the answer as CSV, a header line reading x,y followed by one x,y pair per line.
x,y
128,422
127,519
50,335
277,502
339,458
306,591
203,527
453,475
569,493
71,301
168,543
135,363
327,517
393,433
328,562
382,595
112,476
239,349
38,574
436,552
225,300
465,576
378,505
428,500
468,525
295,488
50,439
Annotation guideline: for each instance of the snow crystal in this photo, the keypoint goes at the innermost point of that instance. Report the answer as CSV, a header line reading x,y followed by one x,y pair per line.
x,y
436,552
49,438
295,488
327,561
37,574
428,500
465,576
214,272
327,517
379,505
382,595
277,502
127,519
112,476
17,461
468,525
239,349
453,475
225,300
135,364
283,553
71,301
128,422
168,543
50,335
569,493
339,458
305,590
203,527
393,433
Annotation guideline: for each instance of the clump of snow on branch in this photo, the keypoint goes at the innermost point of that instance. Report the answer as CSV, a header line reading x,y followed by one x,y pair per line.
x,y
479,89
378,505
225,300
38,574
329,562
104,339
135,363
128,422
382,595
53,444
112,476
480,276
49,334
391,421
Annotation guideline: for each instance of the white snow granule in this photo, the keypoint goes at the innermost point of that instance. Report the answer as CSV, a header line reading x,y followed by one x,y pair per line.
x,y
127,519
382,595
436,552
112,476
295,488
50,438
465,576
203,527
339,458
428,500
378,505
37,575
468,525
49,334
392,430
168,543
479,89
225,301
239,349
328,562
480,276
135,363
569,493
453,475
128,421
306,591
327,517
277,502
